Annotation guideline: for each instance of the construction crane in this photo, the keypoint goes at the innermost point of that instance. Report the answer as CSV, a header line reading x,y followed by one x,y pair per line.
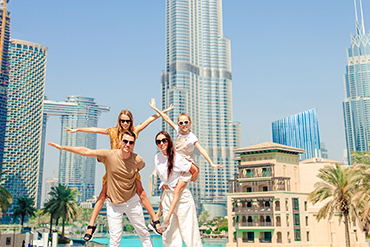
x,y
3,4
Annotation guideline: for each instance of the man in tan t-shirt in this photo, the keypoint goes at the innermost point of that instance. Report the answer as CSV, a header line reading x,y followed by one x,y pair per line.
x,y
120,165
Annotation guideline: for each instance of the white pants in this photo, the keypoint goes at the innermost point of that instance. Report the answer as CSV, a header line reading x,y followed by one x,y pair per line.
x,y
183,222
134,211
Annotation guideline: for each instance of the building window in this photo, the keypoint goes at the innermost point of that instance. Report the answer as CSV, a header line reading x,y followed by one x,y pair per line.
x,y
308,236
296,219
297,235
305,206
306,220
295,203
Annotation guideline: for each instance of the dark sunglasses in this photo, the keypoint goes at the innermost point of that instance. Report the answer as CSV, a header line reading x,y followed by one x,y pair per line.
x,y
125,121
164,140
127,141
184,122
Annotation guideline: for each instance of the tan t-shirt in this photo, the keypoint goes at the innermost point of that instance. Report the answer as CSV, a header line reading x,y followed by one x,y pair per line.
x,y
121,185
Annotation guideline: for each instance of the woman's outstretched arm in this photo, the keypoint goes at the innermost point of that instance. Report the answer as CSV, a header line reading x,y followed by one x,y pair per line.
x,y
88,130
163,115
206,156
143,125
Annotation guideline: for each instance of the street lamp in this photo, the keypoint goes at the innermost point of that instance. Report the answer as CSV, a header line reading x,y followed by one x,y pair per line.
x,y
236,232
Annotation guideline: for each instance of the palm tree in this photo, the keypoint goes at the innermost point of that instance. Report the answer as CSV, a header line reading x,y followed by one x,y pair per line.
x,y
336,191
362,194
24,206
5,197
63,200
50,207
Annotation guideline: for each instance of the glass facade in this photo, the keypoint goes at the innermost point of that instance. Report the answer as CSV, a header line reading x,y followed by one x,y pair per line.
x,y
198,80
300,131
77,171
356,105
22,153
4,75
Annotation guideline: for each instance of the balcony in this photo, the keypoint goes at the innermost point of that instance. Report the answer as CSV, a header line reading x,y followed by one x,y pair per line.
x,y
255,224
250,186
243,210
256,171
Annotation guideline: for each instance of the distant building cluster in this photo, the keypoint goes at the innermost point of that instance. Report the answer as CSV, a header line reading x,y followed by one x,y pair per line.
x,y
23,119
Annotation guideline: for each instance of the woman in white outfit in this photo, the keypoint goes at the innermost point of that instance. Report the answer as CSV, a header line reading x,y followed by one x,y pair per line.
x,y
183,222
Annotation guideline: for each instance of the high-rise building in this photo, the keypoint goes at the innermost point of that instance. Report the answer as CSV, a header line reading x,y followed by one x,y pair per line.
x,y
22,145
154,182
300,130
77,171
197,80
4,71
50,183
356,105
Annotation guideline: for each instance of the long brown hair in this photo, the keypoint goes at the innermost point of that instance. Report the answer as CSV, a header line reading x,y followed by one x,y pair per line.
x,y
170,150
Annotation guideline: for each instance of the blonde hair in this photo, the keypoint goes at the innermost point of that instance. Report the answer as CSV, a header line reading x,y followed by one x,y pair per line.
x,y
184,114
120,130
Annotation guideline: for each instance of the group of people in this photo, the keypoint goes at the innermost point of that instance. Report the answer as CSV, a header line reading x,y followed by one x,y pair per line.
x,y
122,185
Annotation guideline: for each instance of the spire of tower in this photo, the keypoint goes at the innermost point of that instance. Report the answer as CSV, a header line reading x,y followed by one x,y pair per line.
x,y
354,1
362,18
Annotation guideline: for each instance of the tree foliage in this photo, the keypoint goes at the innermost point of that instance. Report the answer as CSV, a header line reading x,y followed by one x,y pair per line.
x,y
63,202
336,191
5,197
24,206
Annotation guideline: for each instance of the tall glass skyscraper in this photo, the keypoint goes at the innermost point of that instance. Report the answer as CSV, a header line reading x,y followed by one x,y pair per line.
x,y
77,171
300,130
22,154
356,105
197,80
4,73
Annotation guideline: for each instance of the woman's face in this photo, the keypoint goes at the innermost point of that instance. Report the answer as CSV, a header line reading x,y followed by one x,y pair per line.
x,y
125,121
184,124
162,143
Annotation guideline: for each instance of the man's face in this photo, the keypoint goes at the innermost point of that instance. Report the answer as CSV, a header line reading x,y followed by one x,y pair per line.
x,y
127,143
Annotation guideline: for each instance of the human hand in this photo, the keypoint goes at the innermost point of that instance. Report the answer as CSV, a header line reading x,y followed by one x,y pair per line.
x,y
168,109
217,166
71,130
55,145
152,104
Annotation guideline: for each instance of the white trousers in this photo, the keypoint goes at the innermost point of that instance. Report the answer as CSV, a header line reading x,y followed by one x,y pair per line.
x,y
183,222
134,211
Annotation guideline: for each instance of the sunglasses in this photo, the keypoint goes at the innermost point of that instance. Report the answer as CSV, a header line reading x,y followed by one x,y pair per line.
x,y
128,142
164,140
184,122
125,121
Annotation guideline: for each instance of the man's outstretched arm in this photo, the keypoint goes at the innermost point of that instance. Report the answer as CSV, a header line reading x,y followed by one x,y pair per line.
x,y
77,150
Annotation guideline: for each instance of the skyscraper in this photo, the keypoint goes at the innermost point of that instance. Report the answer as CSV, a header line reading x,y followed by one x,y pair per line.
x,y
197,80
77,171
22,144
300,130
4,72
50,183
356,105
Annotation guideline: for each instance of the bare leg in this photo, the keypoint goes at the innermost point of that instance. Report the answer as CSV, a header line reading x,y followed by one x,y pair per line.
x,y
144,200
176,197
98,206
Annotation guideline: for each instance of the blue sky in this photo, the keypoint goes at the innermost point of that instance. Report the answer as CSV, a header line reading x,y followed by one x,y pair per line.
x,y
288,56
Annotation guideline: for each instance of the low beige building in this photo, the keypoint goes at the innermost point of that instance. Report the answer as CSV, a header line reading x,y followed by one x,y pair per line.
x,y
267,201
